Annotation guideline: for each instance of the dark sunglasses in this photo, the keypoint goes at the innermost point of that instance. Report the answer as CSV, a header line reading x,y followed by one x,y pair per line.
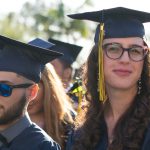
x,y
6,90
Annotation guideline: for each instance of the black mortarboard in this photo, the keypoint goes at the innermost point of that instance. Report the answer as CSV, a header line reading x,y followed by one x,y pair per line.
x,y
118,22
70,51
41,43
24,59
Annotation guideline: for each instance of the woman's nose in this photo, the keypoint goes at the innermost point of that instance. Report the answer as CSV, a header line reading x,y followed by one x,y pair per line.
x,y
125,57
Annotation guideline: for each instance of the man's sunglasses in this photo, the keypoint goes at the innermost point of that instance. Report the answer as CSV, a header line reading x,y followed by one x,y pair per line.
x,y
6,90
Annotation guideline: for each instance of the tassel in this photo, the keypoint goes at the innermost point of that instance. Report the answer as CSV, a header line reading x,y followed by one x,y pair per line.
x,y
101,82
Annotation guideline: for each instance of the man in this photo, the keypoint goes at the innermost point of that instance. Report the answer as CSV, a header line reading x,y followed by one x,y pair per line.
x,y
20,68
63,64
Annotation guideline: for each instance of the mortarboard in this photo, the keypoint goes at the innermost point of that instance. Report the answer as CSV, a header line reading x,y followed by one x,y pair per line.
x,y
24,59
116,22
70,51
41,43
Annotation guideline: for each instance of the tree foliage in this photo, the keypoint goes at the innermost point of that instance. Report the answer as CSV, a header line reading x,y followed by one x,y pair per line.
x,y
38,19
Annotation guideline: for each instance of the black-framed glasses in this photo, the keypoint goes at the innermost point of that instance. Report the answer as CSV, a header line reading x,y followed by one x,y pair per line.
x,y
115,51
6,90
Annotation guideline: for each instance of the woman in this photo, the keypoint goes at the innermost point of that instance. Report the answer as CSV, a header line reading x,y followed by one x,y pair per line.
x,y
118,114
51,109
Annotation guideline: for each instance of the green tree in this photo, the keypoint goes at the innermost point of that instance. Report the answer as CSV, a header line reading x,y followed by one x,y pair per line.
x,y
10,26
53,22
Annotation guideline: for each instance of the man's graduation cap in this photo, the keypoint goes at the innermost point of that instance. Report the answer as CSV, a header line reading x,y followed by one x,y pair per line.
x,y
24,59
116,22
70,51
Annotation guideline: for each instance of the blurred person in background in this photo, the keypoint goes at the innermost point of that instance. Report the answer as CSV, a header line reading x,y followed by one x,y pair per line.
x,y
63,65
52,109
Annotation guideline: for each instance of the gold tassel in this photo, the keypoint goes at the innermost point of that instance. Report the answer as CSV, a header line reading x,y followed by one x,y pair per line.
x,y
79,102
79,92
101,82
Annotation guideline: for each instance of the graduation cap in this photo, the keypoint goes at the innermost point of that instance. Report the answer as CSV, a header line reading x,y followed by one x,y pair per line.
x,y
24,59
41,43
70,51
116,22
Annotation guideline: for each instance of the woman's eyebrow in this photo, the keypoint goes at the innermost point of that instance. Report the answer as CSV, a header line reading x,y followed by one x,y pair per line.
x,y
136,45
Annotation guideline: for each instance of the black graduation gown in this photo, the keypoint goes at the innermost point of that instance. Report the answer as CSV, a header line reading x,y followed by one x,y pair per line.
x,y
102,145
32,138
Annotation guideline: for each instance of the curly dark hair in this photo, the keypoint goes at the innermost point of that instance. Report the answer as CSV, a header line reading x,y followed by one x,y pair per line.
x,y
131,127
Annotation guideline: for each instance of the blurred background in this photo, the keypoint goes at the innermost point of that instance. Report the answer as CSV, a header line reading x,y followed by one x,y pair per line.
x,y
26,19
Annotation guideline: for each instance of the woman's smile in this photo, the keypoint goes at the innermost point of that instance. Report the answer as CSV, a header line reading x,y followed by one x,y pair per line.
x,y
122,72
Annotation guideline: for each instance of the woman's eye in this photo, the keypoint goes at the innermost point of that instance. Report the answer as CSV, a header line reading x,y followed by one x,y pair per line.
x,y
137,50
113,48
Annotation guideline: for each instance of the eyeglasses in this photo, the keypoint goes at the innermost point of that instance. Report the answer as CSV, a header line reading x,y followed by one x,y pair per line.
x,y
115,51
6,90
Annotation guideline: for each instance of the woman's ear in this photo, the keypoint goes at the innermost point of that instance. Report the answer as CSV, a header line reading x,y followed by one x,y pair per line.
x,y
33,90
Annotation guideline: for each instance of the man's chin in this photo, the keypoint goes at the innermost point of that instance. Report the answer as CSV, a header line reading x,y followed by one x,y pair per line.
x,y
4,121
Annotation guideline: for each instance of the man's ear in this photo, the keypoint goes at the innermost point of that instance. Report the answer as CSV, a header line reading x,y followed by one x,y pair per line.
x,y
32,92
